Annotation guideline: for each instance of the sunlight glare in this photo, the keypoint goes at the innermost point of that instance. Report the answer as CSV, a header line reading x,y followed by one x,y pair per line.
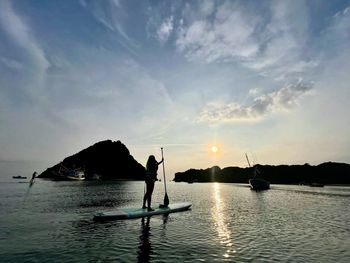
x,y
214,149
220,223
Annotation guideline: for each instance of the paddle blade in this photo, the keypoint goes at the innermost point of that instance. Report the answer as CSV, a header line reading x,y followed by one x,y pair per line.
x,y
166,200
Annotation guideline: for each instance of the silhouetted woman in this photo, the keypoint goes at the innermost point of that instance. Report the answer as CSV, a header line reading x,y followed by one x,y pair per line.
x,y
151,177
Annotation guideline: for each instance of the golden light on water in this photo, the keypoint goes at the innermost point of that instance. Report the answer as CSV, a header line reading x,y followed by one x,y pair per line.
x,y
219,218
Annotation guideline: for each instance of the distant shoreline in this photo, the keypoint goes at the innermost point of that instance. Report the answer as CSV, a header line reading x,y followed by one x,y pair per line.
x,y
329,173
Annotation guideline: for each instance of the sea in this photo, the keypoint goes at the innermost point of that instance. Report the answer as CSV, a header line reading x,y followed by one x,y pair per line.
x,y
52,222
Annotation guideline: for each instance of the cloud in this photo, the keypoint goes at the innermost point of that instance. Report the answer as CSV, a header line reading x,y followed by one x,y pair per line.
x,y
21,36
283,99
107,93
337,35
272,42
254,91
207,7
111,14
283,43
227,37
25,61
11,63
165,30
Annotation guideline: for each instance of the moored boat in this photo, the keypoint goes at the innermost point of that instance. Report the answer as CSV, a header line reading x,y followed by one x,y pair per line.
x,y
316,185
257,183
19,177
76,174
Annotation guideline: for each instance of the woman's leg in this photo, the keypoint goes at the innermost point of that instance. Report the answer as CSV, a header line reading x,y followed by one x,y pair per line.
x,y
150,187
145,197
144,201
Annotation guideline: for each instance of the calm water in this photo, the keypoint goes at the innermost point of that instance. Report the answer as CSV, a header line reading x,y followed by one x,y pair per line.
x,y
52,222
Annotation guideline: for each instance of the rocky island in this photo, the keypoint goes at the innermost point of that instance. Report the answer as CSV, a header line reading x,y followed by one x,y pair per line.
x,y
107,159
325,173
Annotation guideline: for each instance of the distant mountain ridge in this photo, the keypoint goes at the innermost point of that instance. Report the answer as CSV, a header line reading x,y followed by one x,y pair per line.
x,y
325,173
108,159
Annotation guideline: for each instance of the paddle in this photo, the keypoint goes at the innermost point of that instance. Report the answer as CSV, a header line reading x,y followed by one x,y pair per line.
x,y
166,198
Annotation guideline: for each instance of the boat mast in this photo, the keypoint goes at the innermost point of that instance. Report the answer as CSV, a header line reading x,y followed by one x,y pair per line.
x,y
246,156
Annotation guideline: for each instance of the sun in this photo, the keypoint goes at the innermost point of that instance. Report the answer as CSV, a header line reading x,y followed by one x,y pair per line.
x,y
214,149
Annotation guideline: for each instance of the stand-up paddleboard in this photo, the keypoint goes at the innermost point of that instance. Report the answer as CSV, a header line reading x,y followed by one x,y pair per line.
x,y
130,213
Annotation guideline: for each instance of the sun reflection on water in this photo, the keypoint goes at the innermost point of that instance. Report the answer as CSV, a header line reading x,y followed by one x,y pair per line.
x,y
219,218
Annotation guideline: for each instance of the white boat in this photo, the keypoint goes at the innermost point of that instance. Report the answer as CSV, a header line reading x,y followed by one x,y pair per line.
x,y
76,174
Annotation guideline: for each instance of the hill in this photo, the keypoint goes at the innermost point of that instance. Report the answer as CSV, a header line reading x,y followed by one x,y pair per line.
x,y
109,159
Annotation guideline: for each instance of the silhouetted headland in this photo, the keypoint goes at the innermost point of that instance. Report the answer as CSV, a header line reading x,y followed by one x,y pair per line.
x,y
325,173
107,159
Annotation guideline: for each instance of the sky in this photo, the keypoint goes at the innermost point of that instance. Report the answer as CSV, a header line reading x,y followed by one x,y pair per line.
x,y
267,78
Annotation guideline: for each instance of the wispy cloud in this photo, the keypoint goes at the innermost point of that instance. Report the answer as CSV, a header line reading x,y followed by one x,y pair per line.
x,y
11,63
111,14
207,7
21,36
227,37
337,34
270,45
26,59
165,30
283,43
120,90
283,99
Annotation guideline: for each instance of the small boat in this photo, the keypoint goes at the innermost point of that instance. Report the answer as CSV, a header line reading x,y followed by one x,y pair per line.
x,y
19,177
65,173
316,185
77,175
257,183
